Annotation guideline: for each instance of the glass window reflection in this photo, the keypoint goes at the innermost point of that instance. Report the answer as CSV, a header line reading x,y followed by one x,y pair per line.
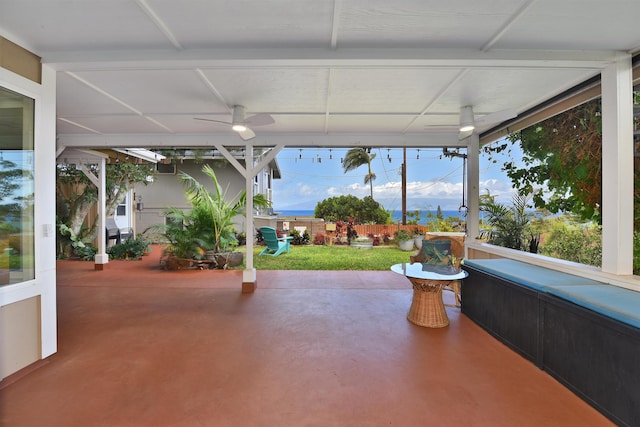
x,y
17,263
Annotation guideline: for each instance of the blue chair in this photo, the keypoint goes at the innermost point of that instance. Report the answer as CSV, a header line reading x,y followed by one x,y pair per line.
x,y
275,245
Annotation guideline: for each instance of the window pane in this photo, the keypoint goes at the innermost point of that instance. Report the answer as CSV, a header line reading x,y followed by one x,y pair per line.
x,y
17,262
554,170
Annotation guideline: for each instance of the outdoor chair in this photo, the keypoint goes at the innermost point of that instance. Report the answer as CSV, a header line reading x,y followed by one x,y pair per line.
x,y
457,249
114,233
275,245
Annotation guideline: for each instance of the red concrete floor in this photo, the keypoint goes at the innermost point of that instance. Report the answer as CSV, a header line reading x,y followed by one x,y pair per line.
x,y
139,346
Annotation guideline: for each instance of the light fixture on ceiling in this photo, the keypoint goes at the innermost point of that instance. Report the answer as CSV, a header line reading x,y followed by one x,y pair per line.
x,y
237,122
467,123
240,123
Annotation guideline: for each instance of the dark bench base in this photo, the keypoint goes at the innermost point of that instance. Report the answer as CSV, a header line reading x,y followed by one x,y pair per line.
x,y
594,355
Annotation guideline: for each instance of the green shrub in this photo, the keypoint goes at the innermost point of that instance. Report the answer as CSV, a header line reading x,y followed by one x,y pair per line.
x,y
577,243
299,238
86,253
129,249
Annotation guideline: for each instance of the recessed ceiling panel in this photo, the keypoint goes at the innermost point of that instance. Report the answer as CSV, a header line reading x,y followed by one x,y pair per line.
x,y
394,90
491,90
423,23
296,123
368,123
595,24
207,24
81,25
272,90
76,98
158,91
123,124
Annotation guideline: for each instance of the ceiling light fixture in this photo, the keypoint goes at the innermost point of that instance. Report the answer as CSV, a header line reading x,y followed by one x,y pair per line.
x,y
237,121
466,119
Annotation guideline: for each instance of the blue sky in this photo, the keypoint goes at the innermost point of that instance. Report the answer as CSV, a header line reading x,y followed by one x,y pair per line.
x,y
311,175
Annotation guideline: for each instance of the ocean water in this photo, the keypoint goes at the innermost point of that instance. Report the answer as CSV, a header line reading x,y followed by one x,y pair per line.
x,y
396,217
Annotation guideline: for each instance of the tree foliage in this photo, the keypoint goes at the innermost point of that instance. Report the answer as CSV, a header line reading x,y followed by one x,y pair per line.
x,y
11,200
357,157
341,208
562,162
76,194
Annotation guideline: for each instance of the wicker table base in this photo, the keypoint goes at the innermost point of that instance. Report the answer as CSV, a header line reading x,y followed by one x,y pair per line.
x,y
427,308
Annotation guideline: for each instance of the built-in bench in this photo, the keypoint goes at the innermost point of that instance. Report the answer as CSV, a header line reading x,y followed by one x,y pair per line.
x,y
583,332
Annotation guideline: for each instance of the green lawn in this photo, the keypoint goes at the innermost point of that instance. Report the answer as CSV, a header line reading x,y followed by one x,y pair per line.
x,y
312,257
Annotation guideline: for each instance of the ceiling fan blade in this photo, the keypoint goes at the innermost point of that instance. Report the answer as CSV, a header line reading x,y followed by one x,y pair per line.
x,y
247,134
260,120
211,120
497,117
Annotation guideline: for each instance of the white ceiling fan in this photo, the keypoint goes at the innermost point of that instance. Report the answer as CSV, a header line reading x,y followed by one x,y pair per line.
x,y
468,122
240,123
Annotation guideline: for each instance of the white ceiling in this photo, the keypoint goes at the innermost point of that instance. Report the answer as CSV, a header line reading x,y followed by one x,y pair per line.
x,y
330,72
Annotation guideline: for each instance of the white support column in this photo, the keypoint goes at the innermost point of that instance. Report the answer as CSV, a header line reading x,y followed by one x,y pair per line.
x,y
45,166
617,167
101,257
249,276
473,187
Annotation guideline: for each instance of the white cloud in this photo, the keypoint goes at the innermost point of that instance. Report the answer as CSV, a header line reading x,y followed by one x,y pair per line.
x,y
420,194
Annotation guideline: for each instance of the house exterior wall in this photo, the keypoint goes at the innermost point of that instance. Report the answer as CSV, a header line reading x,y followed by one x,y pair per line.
x,y
167,191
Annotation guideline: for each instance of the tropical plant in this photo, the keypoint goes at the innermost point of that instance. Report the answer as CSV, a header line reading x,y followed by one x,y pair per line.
x,y
69,243
510,224
182,236
319,239
213,211
348,228
357,157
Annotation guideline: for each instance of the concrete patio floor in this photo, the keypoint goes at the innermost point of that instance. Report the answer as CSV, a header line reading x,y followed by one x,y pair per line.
x,y
139,346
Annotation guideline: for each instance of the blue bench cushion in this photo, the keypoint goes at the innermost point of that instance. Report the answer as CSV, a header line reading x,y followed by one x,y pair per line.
x,y
612,301
532,276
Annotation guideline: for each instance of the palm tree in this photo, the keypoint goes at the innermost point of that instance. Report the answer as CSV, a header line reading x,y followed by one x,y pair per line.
x,y
357,157
213,212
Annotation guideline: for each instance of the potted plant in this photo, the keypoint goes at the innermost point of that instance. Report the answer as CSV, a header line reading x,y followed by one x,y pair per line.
x,y
405,240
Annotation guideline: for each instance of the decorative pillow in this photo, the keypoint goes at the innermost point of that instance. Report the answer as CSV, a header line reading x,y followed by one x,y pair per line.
x,y
437,257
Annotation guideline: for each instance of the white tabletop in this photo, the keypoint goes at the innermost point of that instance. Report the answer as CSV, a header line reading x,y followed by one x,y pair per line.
x,y
415,270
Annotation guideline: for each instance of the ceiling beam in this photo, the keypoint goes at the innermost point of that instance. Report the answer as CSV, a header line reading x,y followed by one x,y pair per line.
x,y
331,58
290,140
